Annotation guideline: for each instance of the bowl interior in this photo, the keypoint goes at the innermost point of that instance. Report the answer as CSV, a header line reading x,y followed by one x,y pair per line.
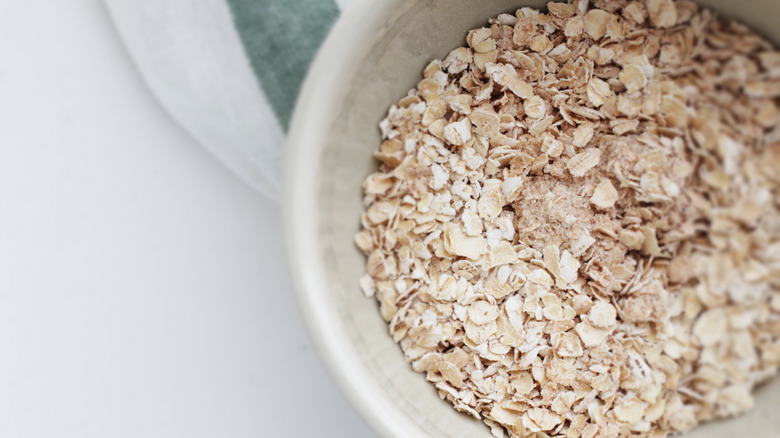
x,y
373,57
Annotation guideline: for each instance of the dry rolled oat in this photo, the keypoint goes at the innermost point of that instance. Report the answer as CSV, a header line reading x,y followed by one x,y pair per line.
x,y
574,229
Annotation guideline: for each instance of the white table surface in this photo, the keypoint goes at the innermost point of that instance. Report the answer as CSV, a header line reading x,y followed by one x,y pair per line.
x,y
143,288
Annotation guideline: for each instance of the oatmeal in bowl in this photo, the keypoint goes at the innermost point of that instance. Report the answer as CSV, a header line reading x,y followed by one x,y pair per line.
x,y
571,229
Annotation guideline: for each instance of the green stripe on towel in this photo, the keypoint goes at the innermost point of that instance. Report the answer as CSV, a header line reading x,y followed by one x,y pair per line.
x,y
281,38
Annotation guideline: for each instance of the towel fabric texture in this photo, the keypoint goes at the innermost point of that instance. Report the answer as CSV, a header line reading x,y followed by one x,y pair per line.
x,y
228,71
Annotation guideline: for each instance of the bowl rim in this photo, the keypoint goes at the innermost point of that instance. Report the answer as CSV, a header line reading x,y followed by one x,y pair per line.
x,y
324,83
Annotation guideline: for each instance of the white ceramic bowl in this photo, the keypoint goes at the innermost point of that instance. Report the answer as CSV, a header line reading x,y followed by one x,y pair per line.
x,y
373,56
